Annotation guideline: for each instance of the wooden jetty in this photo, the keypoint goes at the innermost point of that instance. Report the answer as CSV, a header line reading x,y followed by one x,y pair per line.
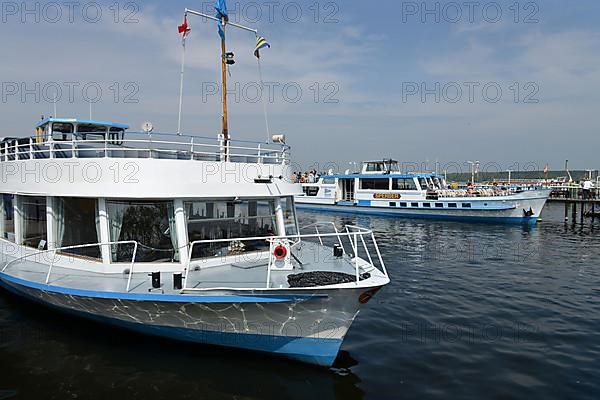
x,y
574,197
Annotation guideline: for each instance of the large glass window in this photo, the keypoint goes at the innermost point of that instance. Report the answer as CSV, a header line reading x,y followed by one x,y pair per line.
x,y
150,223
404,184
210,220
289,217
33,215
8,217
76,223
375,184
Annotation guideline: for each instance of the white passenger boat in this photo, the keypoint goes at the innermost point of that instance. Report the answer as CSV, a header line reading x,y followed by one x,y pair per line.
x,y
380,188
180,236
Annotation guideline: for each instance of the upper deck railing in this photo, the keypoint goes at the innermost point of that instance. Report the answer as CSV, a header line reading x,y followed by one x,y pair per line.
x,y
142,145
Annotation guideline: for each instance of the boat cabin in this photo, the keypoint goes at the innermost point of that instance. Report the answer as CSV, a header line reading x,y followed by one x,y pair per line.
x,y
66,129
77,183
380,167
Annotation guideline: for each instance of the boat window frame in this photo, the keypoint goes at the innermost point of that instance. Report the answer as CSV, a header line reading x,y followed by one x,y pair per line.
x,y
273,226
64,137
404,188
362,181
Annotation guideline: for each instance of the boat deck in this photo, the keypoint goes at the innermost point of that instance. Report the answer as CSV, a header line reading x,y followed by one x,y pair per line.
x,y
239,275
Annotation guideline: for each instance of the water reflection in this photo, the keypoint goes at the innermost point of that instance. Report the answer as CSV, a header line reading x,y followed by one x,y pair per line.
x,y
68,357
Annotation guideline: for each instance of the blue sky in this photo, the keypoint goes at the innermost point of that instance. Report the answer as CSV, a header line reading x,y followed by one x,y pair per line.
x,y
361,68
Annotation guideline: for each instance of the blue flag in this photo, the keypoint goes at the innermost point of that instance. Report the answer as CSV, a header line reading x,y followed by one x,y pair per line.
x,y
221,8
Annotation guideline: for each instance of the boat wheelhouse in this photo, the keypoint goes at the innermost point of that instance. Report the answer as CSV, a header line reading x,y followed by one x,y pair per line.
x,y
381,188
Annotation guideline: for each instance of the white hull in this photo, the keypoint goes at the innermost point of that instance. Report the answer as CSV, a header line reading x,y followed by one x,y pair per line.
x,y
524,207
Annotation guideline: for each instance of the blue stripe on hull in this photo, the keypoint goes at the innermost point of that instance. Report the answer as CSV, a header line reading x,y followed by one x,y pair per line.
x,y
382,212
164,298
319,351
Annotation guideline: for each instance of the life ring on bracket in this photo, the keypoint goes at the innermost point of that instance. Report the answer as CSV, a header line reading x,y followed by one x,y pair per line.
x,y
280,252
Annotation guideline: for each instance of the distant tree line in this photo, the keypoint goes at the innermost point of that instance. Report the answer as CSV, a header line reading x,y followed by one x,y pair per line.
x,y
519,175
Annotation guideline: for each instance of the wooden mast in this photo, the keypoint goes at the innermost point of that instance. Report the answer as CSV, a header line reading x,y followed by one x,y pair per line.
x,y
225,128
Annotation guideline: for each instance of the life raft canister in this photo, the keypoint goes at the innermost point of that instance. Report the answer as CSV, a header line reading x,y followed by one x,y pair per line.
x,y
280,252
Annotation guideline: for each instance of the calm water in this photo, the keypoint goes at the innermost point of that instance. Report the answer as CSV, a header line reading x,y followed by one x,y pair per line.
x,y
473,311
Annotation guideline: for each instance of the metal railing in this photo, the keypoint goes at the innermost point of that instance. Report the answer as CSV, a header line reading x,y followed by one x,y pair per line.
x,y
82,246
353,233
143,145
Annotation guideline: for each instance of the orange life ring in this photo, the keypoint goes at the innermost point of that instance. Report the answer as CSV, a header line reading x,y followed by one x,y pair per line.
x,y
280,252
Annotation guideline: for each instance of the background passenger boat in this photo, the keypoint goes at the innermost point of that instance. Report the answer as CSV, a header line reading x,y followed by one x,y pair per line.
x,y
381,188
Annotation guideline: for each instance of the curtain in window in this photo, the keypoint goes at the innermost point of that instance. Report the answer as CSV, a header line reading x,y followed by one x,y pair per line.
x,y
98,230
173,230
59,221
116,213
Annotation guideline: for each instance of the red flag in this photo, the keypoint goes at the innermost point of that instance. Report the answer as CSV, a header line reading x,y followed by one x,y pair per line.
x,y
184,28
546,169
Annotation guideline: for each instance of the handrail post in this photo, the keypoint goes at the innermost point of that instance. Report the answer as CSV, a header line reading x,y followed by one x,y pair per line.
x,y
269,264
192,149
105,145
135,246
339,238
51,266
187,268
362,239
356,258
379,254
31,148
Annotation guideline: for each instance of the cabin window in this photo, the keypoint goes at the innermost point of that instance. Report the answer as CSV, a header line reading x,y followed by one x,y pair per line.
x,y
392,204
414,205
90,128
423,183
62,131
427,205
375,167
116,135
328,181
403,204
210,220
375,184
404,184
150,223
452,205
76,222
466,205
8,217
311,191
33,221
439,205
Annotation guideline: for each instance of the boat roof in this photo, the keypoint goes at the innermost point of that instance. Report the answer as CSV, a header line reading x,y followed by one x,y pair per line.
x,y
380,176
387,161
82,121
